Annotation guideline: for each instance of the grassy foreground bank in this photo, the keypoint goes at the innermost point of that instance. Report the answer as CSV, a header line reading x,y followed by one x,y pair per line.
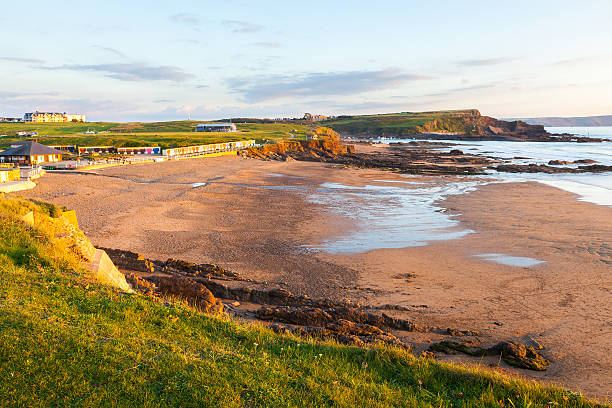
x,y
67,341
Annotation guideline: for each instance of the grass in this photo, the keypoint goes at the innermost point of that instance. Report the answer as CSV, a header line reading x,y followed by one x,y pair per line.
x,y
67,341
397,124
164,134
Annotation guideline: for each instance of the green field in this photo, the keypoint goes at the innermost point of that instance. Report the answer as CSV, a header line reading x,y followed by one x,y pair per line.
x,y
398,124
164,134
67,341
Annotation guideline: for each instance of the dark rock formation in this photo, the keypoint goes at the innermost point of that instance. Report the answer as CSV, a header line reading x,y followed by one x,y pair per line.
x,y
543,168
515,354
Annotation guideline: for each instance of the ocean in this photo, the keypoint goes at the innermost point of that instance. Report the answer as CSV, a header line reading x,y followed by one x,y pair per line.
x,y
595,188
397,214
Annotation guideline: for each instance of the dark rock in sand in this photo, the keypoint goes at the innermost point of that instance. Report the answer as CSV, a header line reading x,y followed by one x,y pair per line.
x,y
314,316
515,354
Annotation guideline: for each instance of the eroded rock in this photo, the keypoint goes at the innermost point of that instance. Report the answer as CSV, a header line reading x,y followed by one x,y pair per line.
x,y
515,354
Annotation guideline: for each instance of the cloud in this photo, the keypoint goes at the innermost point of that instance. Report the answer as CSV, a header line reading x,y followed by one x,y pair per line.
x,y
318,84
267,44
243,27
185,18
578,60
110,50
485,61
460,90
132,72
24,60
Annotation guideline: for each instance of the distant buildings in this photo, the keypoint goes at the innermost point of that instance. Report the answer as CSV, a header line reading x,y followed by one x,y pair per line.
x,y
314,118
216,127
52,117
10,119
30,153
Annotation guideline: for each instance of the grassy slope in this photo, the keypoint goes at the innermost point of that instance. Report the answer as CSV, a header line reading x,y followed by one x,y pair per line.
x,y
66,341
398,123
164,134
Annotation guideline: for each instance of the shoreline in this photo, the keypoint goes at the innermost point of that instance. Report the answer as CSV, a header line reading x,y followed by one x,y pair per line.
x,y
260,233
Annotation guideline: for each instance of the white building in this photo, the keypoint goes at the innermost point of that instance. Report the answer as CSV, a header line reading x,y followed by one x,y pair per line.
x,y
216,127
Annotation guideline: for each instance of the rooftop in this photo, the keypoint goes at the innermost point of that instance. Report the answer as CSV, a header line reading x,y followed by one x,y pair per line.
x,y
29,148
216,124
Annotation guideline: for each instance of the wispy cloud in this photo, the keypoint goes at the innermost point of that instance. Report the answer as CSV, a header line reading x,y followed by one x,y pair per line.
x,y
24,60
579,60
485,61
243,27
268,44
110,50
132,72
186,18
460,90
259,89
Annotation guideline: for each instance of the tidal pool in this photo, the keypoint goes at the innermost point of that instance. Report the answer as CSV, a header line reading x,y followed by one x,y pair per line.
x,y
520,261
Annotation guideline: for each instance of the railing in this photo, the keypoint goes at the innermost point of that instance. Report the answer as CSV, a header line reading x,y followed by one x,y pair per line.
x,y
34,172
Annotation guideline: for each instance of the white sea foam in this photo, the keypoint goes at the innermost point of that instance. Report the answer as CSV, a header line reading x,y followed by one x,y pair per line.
x,y
591,187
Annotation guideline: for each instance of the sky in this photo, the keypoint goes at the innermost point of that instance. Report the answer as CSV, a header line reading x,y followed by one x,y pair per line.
x,y
164,60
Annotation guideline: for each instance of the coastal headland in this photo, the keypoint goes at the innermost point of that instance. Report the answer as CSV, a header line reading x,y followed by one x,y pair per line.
x,y
263,221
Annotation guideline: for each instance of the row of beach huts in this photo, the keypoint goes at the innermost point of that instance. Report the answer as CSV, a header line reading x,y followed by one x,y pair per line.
x,y
156,150
29,154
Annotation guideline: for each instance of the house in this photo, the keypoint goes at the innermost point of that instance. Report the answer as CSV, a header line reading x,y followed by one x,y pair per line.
x,y
30,153
216,127
54,117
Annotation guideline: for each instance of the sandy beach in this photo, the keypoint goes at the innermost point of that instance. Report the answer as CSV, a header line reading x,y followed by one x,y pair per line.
x,y
258,218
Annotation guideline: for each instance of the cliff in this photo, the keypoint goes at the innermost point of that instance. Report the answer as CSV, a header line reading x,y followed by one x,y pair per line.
x,y
450,125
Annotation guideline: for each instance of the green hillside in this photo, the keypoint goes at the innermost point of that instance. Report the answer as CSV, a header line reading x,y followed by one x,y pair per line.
x,y
164,134
67,341
406,123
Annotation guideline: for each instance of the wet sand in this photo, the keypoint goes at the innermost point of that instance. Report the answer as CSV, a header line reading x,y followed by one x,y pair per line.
x,y
243,220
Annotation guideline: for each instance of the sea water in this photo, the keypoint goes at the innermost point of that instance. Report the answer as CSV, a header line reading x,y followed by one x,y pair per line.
x,y
591,187
397,214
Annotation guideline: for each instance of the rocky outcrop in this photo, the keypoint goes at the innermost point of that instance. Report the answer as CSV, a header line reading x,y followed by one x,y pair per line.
x,y
311,150
344,332
314,316
515,354
193,292
206,286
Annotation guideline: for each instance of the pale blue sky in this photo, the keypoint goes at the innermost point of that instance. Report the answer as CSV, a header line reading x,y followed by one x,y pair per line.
x,y
158,60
